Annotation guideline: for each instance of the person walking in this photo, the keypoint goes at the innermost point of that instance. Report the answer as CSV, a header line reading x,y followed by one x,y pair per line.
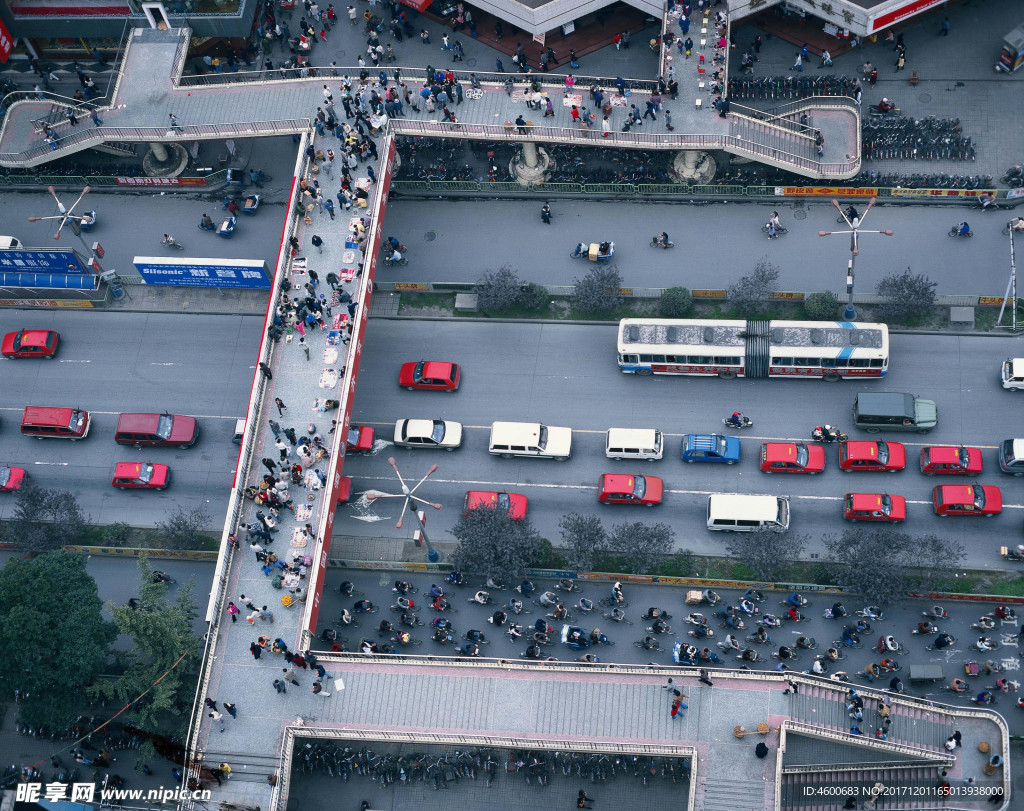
x,y
269,464
225,769
231,709
290,434
606,127
668,120
873,76
901,62
218,718
265,368
545,213
233,612
304,346
276,428
798,63
318,689
256,651
582,799
174,121
289,675
318,243
95,118
944,31
280,406
279,686
282,448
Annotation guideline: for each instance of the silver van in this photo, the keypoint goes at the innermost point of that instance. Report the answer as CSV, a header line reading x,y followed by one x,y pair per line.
x,y
530,439
634,443
736,512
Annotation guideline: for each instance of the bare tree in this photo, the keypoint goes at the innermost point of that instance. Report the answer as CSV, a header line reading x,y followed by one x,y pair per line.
x,y
492,544
749,295
600,291
884,564
767,554
186,529
908,298
583,539
45,519
644,546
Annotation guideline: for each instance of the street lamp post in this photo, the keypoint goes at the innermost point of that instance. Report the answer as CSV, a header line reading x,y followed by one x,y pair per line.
x,y
408,493
854,231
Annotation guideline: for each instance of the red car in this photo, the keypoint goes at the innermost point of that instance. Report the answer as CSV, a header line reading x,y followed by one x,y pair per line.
x,y
874,507
30,343
967,499
792,457
141,476
885,456
951,460
359,439
622,488
11,478
432,375
512,503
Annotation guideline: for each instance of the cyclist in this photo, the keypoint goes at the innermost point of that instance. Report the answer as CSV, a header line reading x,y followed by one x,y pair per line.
x,y
963,229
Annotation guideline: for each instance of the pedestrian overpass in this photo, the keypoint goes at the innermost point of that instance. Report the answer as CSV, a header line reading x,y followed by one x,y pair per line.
x,y
150,88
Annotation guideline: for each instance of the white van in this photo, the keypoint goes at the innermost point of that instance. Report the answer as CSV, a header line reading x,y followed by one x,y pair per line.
x,y
530,439
1012,374
10,244
734,512
634,443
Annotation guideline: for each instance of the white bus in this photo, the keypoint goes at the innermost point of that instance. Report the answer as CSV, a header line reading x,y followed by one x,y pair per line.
x,y
820,349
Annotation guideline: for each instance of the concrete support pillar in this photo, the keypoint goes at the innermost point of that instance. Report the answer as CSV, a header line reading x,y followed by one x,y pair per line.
x,y
531,165
159,151
692,166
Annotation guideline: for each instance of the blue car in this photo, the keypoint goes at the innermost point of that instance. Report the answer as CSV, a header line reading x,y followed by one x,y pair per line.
x,y
710,448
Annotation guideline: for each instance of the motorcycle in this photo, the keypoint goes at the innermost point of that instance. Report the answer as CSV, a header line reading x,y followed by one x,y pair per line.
x,y
827,434
1012,554
745,422
657,243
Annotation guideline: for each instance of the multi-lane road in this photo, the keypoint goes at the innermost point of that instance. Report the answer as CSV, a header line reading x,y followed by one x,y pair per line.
x,y
109,363
566,375
715,244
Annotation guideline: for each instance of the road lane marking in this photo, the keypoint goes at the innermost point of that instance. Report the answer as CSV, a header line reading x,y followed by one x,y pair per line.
x,y
53,464
749,437
502,486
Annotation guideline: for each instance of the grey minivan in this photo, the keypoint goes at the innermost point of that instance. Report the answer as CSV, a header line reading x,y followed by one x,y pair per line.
x,y
894,411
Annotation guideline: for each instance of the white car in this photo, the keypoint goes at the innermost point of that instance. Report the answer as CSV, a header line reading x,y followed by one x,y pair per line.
x,y
428,434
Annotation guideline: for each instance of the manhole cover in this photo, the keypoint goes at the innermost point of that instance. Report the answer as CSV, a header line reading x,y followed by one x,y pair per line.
x,y
430,236
341,53
471,62
800,215
925,98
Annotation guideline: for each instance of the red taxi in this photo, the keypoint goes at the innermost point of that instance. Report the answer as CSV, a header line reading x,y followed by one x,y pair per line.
x,y
512,503
431,375
141,476
11,478
30,343
622,488
792,457
889,457
874,507
967,499
359,439
950,460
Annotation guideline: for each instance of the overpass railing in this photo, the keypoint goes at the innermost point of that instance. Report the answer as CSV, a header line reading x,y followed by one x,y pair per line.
x,y
510,132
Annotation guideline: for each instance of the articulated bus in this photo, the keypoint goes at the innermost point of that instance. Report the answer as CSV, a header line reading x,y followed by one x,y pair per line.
x,y
820,349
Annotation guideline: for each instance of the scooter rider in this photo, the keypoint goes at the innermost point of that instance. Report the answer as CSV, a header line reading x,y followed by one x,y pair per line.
x,y
963,229
774,220
663,240
736,420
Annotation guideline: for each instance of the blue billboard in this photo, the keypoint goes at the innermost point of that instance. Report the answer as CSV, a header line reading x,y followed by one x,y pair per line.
x,y
34,260
247,273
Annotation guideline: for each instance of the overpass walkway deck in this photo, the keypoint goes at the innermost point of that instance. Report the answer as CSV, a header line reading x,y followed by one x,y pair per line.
x,y
150,90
